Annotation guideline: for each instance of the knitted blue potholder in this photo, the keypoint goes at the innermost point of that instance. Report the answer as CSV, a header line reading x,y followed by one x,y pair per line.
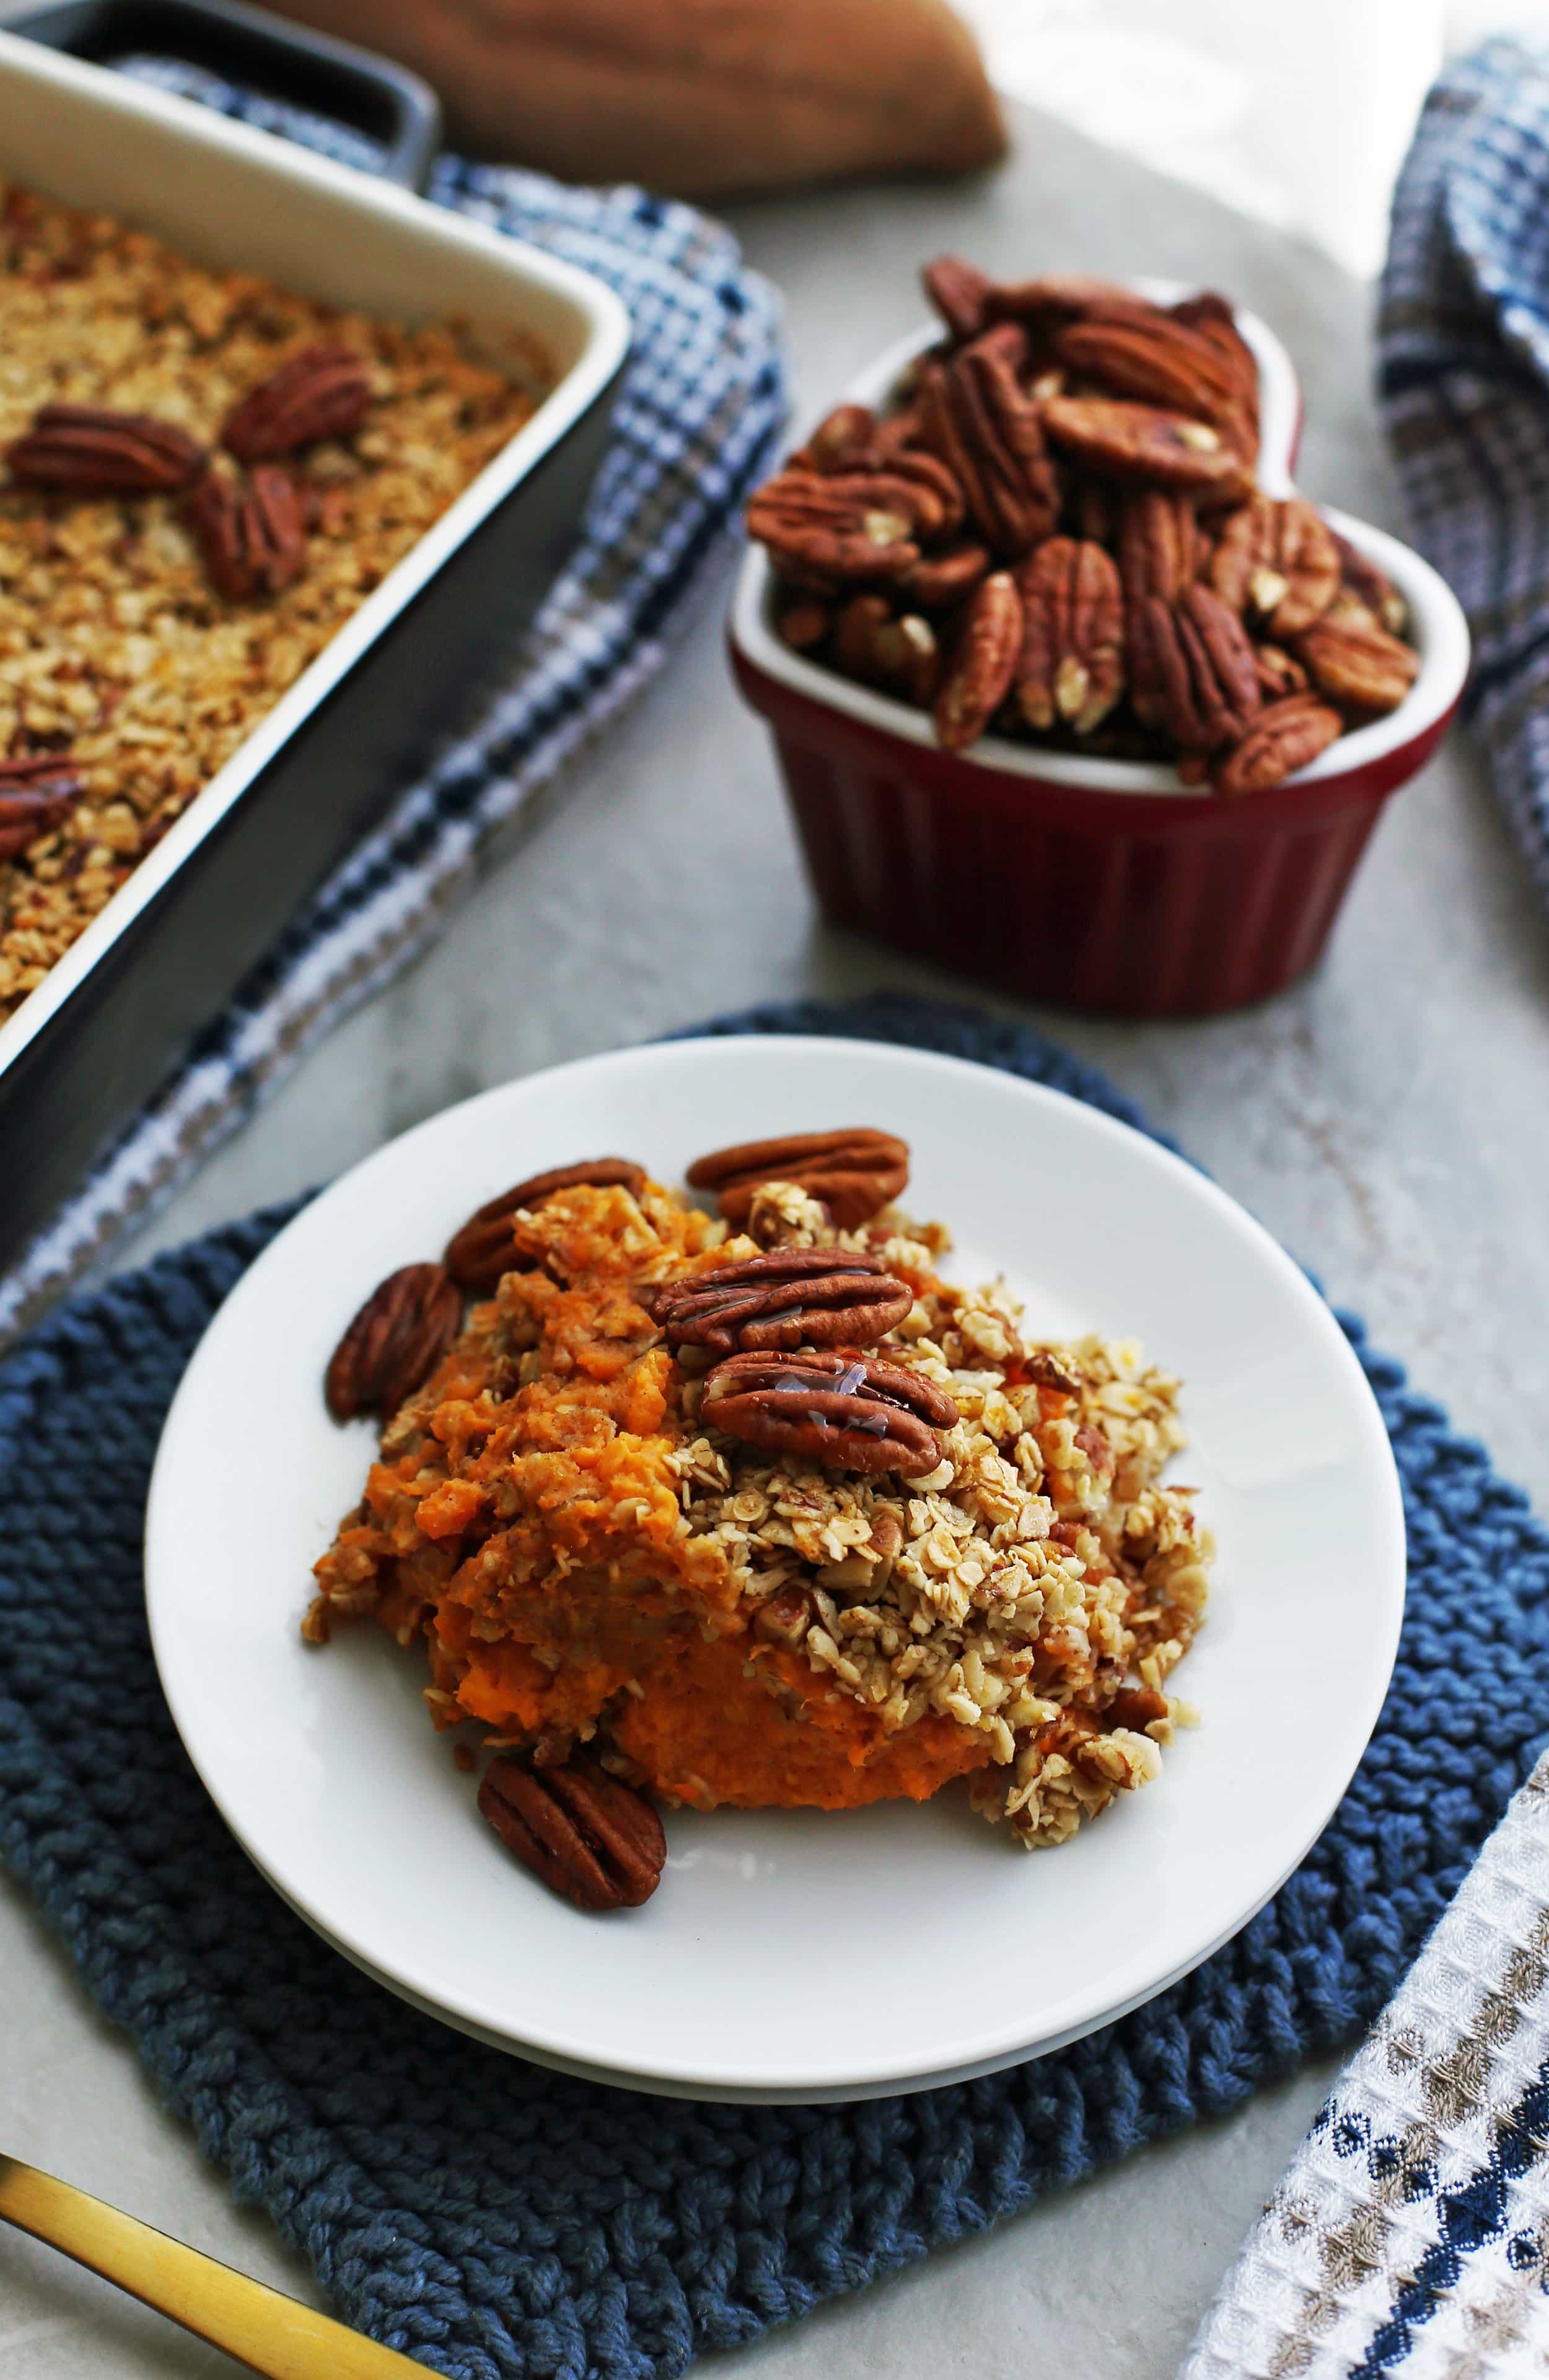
x,y
493,2219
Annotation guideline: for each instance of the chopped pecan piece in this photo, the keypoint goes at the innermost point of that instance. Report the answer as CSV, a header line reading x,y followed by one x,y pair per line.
x,y
1071,669
855,1173
38,792
901,653
958,291
324,392
853,1412
1192,670
983,663
1371,587
1159,546
90,450
395,1343
986,429
841,439
251,537
594,1841
476,1256
1157,359
1136,1706
1277,561
1354,661
1138,442
1283,738
856,525
793,1297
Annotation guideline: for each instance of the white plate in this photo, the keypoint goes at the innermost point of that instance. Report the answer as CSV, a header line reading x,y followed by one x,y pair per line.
x,y
789,1954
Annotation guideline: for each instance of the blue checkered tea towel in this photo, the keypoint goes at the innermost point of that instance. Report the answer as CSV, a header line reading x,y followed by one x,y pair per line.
x,y
503,2223
1463,338
700,406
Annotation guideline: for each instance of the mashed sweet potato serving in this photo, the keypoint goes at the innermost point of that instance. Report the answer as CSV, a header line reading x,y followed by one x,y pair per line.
x,y
589,1563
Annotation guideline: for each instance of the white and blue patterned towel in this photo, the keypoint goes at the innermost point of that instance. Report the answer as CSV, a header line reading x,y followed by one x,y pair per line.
x,y
1463,335
701,405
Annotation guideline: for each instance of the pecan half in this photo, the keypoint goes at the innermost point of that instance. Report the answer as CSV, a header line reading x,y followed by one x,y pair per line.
x,y
595,1841
482,1251
855,1173
251,537
1354,661
958,291
856,525
793,1297
986,428
1051,297
938,580
983,663
1156,358
395,1343
90,450
38,791
1371,587
1137,441
1277,560
804,624
901,654
1192,670
1159,546
1071,669
1283,738
1279,673
842,439
322,391
853,1412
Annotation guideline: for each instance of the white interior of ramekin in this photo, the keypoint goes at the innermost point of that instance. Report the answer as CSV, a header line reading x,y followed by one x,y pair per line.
x,y
1436,623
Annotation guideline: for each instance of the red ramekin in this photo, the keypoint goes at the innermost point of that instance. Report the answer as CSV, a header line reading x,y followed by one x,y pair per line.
x,y
1095,884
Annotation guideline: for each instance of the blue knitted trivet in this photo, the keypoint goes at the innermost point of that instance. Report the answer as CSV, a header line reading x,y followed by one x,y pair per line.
x,y
494,2218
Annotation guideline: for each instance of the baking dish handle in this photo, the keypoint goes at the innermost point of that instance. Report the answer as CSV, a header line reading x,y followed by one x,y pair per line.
x,y
262,52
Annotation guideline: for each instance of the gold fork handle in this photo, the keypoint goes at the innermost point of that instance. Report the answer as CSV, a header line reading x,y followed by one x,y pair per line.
x,y
259,2326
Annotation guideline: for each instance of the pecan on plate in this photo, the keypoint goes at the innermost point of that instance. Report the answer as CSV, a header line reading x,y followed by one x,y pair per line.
x,y
1192,670
1371,587
1139,442
251,535
842,440
90,450
792,1297
855,1173
985,428
901,654
939,580
1283,738
482,1251
395,1343
1071,670
982,667
858,526
1159,546
38,791
1155,360
1277,560
957,290
1353,662
322,391
593,1841
831,1406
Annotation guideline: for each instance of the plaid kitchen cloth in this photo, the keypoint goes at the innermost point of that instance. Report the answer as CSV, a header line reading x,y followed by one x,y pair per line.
x,y
1463,340
701,405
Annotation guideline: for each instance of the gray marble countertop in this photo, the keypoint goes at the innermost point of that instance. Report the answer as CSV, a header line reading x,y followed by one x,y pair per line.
x,y
1387,1119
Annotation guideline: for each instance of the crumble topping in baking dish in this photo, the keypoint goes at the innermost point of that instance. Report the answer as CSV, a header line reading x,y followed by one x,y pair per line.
x,y
804,1572
119,656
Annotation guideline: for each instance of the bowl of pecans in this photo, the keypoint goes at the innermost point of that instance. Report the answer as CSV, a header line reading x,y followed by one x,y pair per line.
x,y
1072,689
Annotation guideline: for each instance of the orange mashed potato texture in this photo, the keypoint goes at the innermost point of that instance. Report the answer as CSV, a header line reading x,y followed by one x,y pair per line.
x,y
587,1563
